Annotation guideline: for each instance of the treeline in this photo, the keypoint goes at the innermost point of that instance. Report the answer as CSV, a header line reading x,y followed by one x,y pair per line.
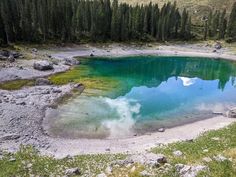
x,y
217,25
96,20
105,20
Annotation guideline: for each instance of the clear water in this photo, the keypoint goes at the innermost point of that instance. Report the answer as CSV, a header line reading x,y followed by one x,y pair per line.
x,y
150,93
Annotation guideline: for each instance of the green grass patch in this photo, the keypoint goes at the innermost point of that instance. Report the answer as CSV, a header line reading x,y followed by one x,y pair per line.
x,y
28,162
209,144
16,84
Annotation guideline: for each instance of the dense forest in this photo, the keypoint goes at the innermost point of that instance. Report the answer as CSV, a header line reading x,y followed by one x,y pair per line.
x,y
104,20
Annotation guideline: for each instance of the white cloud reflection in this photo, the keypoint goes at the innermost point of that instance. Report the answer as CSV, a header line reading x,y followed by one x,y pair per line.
x,y
188,81
126,110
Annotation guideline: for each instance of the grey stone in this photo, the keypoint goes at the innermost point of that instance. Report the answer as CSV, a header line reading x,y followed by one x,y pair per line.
x,y
43,65
151,159
145,173
177,153
71,61
42,81
12,159
232,113
102,175
9,137
207,159
189,171
108,170
220,158
11,59
34,50
73,171
161,130
218,46
56,90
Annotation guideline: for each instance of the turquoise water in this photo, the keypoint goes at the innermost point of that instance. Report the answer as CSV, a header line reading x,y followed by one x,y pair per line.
x,y
152,92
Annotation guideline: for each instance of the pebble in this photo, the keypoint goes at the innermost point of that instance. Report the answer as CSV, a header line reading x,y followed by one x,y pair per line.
x,y
177,153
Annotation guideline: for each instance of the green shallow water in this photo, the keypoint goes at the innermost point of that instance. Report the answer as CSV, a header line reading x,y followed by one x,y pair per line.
x,y
136,95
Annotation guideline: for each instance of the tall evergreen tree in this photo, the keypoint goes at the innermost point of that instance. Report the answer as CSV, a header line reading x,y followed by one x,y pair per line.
x,y
231,30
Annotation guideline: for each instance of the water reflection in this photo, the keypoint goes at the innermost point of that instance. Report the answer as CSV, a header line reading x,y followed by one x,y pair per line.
x,y
153,92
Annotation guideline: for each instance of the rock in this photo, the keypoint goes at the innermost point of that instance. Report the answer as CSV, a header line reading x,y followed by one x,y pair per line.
x,y
43,65
189,171
145,173
9,137
21,95
161,130
215,138
108,170
132,169
12,159
11,59
29,165
108,149
177,153
218,46
78,85
6,54
102,175
72,171
34,50
71,61
56,90
232,113
45,92
42,81
207,159
151,159
220,158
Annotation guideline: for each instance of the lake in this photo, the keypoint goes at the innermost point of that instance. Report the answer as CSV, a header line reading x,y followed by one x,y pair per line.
x,y
131,96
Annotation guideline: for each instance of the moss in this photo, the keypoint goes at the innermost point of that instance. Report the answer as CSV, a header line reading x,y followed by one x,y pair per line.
x,y
16,84
80,74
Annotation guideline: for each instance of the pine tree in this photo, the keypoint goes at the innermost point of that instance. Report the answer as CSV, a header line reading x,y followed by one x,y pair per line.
x,y
115,22
231,30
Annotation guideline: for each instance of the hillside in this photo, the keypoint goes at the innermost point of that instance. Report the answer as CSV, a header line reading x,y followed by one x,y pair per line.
x,y
196,8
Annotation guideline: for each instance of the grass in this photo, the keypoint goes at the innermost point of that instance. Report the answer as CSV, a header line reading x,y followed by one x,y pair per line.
x,y
210,145
28,161
16,84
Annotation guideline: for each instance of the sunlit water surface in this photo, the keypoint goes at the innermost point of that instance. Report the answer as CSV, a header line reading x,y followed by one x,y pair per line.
x,y
151,92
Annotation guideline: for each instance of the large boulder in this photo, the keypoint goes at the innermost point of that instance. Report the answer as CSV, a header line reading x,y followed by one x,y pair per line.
x,y
71,61
43,65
